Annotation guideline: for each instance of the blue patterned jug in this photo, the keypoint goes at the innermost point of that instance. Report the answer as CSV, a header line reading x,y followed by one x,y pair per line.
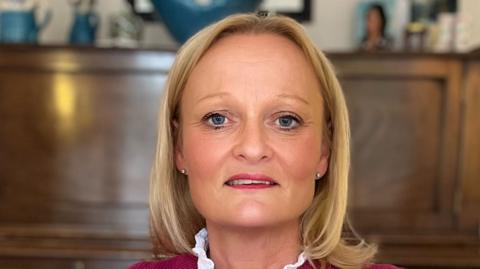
x,y
18,23
84,29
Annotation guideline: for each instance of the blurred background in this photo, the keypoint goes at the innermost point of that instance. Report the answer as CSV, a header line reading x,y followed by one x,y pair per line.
x,y
80,85
334,25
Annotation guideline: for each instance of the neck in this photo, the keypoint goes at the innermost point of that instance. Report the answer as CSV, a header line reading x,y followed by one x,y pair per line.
x,y
266,247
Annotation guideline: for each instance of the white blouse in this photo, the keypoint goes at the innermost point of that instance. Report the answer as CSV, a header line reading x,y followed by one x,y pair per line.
x,y
201,244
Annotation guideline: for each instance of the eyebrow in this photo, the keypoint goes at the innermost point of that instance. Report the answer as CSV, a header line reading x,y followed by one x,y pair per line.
x,y
284,95
213,95
295,97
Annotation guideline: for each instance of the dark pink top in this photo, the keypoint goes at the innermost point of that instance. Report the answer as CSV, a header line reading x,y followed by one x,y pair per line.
x,y
189,261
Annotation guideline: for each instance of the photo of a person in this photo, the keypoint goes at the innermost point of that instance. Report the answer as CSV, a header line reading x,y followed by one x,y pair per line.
x,y
375,37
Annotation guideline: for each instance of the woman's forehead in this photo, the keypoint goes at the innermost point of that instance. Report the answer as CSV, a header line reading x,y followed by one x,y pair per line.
x,y
267,62
253,47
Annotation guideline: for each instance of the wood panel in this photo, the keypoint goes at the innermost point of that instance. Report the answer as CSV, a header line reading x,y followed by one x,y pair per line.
x,y
395,125
413,156
469,203
77,138
405,125
80,145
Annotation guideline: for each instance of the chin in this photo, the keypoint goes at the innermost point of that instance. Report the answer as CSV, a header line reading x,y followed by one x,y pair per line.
x,y
251,222
251,217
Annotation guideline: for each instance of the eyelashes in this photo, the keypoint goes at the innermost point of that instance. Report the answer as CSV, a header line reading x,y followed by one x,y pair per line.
x,y
288,122
215,120
285,121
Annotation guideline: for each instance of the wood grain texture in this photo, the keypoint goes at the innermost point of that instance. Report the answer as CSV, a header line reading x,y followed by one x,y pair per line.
x,y
469,204
405,117
77,139
77,145
395,125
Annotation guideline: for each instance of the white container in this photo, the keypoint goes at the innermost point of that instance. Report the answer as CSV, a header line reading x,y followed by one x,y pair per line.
x,y
446,32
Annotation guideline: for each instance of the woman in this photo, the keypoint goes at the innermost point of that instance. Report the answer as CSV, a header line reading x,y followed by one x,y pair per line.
x,y
253,147
376,38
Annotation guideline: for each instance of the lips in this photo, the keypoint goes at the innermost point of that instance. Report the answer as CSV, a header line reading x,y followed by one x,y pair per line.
x,y
250,181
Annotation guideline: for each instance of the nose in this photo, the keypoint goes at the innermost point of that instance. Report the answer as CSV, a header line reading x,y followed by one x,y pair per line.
x,y
251,144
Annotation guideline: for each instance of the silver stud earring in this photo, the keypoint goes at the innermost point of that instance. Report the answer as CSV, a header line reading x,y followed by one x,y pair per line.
x,y
318,176
183,171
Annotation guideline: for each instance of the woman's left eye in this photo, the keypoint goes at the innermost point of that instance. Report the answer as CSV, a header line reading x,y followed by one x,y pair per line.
x,y
287,122
216,120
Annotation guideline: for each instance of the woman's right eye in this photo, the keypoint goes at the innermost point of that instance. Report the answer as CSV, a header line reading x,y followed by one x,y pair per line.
x,y
215,120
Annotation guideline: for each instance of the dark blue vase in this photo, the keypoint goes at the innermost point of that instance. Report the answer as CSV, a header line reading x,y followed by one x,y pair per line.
x,y
20,26
84,29
184,18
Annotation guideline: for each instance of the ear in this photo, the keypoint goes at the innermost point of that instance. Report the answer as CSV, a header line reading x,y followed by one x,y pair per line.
x,y
179,160
322,165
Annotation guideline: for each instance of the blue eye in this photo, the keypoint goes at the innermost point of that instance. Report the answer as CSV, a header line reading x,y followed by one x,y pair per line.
x,y
288,122
285,121
215,120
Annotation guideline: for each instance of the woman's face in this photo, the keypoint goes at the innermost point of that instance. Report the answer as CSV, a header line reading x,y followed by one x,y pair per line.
x,y
251,139
374,22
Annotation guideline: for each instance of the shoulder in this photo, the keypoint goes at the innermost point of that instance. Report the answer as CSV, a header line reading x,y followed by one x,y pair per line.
x,y
184,261
383,266
374,266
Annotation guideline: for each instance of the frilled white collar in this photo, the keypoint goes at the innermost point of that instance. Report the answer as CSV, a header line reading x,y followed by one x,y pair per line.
x,y
201,244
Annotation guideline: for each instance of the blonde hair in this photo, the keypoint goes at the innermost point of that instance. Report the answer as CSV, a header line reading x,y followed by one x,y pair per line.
x,y
174,219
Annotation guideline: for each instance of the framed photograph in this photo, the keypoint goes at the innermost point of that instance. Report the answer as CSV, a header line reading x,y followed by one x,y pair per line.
x,y
397,16
299,10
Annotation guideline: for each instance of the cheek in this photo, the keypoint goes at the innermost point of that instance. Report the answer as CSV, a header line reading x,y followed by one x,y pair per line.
x,y
203,153
302,156
298,163
204,158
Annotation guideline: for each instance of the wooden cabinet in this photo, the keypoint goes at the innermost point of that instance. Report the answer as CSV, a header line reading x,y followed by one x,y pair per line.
x,y
77,136
415,178
405,128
